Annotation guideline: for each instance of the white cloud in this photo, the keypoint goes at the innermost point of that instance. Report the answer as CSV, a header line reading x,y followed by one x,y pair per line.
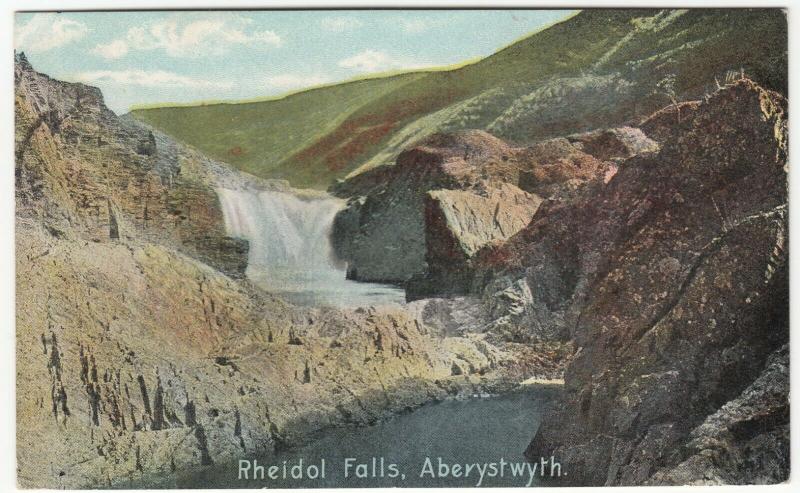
x,y
294,81
340,24
44,32
113,50
379,61
154,78
366,61
201,37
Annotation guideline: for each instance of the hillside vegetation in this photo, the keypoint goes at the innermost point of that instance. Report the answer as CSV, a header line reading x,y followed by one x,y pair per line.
x,y
597,68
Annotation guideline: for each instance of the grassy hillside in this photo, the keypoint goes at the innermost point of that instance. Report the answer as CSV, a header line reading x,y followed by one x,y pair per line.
x,y
596,68
257,137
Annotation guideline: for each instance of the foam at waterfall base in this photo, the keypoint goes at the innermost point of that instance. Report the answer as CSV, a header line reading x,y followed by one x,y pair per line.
x,y
334,292
290,247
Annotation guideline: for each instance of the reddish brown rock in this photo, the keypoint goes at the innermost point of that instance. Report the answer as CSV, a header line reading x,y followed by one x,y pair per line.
x,y
672,279
386,215
458,224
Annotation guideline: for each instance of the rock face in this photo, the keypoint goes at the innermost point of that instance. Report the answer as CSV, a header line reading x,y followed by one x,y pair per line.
x,y
672,280
408,212
384,218
136,361
139,351
558,165
746,441
458,223
80,168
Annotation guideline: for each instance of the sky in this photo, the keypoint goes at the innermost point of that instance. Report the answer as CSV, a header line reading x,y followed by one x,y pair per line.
x,y
140,58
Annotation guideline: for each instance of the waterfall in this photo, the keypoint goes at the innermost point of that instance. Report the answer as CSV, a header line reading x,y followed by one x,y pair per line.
x,y
290,246
289,235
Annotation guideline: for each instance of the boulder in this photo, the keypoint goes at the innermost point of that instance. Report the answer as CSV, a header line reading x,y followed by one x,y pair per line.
x,y
560,165
458,223
386,215
381,232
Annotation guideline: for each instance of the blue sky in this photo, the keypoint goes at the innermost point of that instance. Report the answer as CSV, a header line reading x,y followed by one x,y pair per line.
x,y
156,57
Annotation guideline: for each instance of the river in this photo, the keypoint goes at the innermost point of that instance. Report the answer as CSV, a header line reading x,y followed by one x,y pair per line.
x,y
469,431
466,442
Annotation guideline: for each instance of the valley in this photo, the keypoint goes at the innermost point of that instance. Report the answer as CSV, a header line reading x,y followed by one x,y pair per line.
x,y
543,244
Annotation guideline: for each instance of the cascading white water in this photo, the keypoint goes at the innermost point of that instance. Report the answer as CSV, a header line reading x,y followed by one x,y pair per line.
x,y
290,247
288,235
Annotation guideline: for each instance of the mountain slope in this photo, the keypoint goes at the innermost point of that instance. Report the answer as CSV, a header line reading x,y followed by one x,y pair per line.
x,y
257,137
597,68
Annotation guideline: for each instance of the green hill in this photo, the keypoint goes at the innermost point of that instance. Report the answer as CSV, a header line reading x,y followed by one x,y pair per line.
x,y
597,68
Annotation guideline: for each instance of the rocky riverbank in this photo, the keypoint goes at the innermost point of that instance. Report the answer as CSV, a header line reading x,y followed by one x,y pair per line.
x,y
659,249
650,257
142,350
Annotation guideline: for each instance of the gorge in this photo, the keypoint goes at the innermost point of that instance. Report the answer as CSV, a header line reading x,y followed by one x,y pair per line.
x,y
142,346
176,313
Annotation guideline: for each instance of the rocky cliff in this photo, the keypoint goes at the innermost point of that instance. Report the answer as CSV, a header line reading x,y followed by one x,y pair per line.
x,y
659,250
140,348
469,186
81,170
675,289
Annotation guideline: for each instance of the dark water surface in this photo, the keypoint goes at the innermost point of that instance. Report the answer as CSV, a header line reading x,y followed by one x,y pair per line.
x,y
476,430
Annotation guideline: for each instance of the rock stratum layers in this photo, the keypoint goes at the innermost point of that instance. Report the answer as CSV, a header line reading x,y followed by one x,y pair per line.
x,y
673,282
659,250
649,255
141,349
